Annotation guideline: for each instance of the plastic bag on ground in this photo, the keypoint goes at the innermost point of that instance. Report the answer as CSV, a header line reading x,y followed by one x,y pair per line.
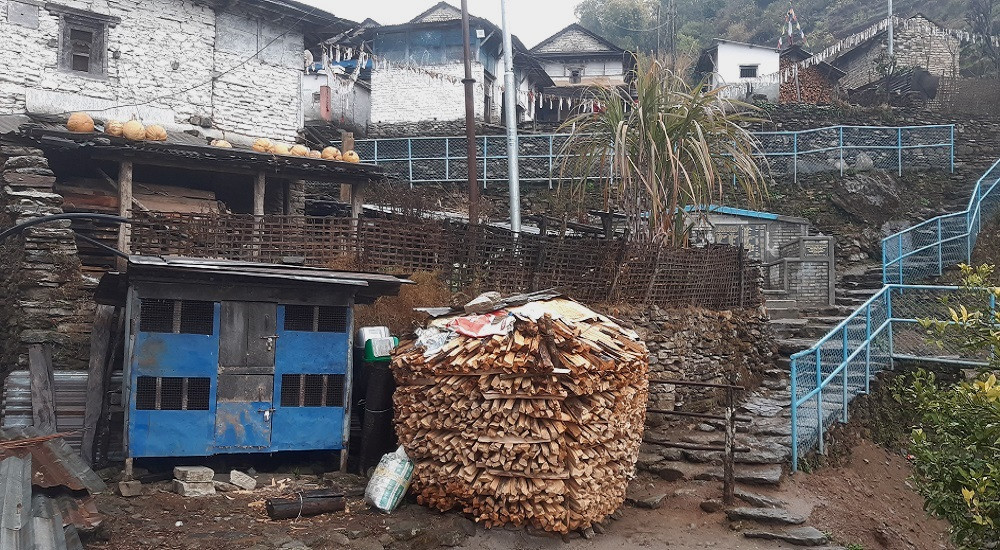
x,y
390,481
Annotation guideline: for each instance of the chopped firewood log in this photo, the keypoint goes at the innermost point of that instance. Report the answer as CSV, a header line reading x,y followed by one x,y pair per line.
x,y
540,427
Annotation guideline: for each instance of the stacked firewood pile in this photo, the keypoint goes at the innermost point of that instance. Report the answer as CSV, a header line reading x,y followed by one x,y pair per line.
x,y
535,420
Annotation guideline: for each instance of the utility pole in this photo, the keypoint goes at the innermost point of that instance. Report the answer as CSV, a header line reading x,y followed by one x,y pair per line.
x,y
890,28
470,117
510,109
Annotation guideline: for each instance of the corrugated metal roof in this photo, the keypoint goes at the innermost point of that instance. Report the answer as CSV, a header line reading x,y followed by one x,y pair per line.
x,y
55,463
15,504
11,124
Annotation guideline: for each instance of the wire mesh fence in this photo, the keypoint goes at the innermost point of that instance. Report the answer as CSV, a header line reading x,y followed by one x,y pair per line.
x,y
927,249
470,259
828,376
831,149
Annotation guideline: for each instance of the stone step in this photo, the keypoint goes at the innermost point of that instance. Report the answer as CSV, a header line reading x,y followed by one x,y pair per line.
x,y
776,516
769,475
788,346
799,536
778,314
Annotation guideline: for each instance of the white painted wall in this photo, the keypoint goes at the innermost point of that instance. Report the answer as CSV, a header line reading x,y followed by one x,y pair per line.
x,y
163,54
732,56
560,71
350,103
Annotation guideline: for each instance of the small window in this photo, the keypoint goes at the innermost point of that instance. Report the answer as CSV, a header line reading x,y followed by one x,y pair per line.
x,y
312,390
82,47
316,319
177,316
576,76
172,394
748,71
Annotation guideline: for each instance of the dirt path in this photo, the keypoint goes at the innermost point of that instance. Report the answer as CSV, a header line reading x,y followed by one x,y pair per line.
x,y
865,502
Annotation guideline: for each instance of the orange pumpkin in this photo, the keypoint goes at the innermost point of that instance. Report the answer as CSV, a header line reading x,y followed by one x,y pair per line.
x,y
281,149
332,153
263,145
314,154
114,128
352,157
222,143
155,132
134,130
80,122
300,150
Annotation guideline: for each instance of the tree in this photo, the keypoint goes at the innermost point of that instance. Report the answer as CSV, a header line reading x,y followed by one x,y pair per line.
x,y
984,19
631,24
667,147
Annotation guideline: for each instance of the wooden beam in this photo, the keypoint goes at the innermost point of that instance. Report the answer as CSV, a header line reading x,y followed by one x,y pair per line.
x,y
357,200
97,378
346,144
43,396
259,185
124,207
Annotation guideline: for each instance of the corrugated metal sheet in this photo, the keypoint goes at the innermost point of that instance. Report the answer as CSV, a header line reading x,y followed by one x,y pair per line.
x,y
71,397
11,124
15,504
55,463
47,524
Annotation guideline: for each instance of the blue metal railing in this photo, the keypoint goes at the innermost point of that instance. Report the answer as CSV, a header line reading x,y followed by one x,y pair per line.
x,y
927,249
828,375
830,149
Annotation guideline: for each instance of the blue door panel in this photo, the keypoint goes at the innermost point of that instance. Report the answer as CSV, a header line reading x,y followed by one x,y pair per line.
x,y
171,433
311,352
175,355
312,428
242,427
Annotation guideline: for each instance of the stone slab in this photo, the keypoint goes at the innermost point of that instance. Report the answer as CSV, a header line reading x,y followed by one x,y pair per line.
x,y
800,536
129,488
765,515
194,488
193,473
242,480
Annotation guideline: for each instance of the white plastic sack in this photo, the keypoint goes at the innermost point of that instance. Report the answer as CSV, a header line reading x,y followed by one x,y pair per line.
x,y
390,481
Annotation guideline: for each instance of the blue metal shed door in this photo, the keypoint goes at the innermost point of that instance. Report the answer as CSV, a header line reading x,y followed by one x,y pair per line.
x,y
243,412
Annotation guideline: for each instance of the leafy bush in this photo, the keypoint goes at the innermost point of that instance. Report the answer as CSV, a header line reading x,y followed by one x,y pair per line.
x,y
956,454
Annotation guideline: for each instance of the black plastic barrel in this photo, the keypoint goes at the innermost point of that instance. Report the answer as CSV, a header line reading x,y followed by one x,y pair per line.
x,y
377,434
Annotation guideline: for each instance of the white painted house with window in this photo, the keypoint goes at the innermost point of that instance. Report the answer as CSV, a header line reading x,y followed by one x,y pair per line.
x,y
728,62
219,66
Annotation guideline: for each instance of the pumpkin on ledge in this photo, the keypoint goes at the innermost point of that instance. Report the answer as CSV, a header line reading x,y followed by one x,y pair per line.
x,y
133,130
352,157
155,132
80,123
114,128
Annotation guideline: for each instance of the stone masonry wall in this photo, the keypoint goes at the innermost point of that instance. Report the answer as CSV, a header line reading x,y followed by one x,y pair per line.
x,y
44,299
700,345
913,46
164,55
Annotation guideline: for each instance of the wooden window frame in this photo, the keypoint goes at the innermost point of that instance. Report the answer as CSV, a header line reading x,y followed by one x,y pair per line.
x,y
756,70
97,24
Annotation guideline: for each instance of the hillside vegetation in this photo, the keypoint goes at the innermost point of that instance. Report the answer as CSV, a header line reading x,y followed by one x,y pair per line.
x,y
634,23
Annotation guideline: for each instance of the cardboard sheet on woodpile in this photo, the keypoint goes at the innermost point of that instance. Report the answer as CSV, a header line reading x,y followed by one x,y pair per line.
x,y
536,422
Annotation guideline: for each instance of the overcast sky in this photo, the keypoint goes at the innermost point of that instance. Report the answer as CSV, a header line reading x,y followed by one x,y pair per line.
x,y
531,20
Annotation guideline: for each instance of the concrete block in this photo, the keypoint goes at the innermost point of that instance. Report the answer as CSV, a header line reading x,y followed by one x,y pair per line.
x,y
194,488
129,488
243,481
193,473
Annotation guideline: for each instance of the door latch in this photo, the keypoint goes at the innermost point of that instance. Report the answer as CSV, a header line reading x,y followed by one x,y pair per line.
x,y
267,414
270,341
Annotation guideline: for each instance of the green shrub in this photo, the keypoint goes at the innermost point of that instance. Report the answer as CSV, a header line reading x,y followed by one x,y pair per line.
x,y
956,453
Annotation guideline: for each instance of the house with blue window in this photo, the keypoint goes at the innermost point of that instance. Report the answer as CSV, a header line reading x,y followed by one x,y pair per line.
x,y
416,72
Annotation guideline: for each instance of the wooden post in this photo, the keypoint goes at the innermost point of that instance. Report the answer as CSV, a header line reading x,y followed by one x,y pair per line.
x,y
357,200
259,184
102,443
728,473
346,144
124,208
100,339
43,396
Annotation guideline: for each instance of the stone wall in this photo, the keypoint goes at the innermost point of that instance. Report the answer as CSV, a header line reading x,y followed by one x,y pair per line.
x,y
425,95
165,55
700,345
46,300
917,45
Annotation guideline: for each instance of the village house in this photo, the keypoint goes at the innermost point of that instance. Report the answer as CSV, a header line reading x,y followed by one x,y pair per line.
x,y
918,42
202,71
816,84
728,62
212,65
577,60
414,72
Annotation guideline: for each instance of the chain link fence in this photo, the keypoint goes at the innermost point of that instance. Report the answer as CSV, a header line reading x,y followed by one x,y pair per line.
x,y
828,376
833,149
926,249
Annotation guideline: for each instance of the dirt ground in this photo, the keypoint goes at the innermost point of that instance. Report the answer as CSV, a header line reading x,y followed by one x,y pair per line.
x,y
865,501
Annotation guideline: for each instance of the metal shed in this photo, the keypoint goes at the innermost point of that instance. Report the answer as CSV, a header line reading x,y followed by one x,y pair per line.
x,y
234,357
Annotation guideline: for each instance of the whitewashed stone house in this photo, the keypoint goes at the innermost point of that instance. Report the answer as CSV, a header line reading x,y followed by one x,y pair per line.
x,y
576,56
225,67
416,72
